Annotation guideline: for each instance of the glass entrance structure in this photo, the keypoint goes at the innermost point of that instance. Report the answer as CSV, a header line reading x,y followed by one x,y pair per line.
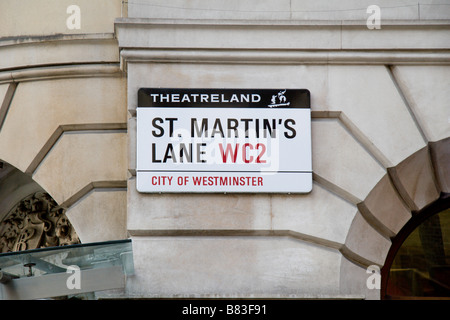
x,y
65,271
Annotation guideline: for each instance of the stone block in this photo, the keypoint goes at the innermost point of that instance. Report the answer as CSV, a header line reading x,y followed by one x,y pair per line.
x,y
39,107
201,75
347,10
6,92
217,34
131,134
14,187
370,100
47,17
320,214
440,153
78,159
385,204
85,49
181,9
157,212
354,280
101,215
415,180
341,160
229,267
366,242
252,214
427,90
395,36
3,90
319,10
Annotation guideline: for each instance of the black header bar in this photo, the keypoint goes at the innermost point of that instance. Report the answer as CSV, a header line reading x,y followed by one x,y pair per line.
x,y
224,98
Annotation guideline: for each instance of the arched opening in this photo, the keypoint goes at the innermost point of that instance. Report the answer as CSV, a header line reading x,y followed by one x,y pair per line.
x,y
418,263
412,191
29,217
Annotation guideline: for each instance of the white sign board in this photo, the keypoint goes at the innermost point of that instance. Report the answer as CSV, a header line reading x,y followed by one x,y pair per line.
x,y
224,140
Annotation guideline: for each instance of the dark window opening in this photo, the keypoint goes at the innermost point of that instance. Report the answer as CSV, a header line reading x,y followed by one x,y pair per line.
x,y
418,264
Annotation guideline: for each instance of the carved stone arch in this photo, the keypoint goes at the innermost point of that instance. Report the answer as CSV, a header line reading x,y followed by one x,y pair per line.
x,y
29,217
417,182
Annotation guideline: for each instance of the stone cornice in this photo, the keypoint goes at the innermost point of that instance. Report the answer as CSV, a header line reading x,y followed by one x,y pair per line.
x,y
283,41
8,41
239,56
241,22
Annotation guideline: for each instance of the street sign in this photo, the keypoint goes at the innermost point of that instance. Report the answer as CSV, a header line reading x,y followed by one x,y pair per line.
x,y
224,140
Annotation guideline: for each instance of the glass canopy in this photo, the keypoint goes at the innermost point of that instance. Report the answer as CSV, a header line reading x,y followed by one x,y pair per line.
x,y
53,260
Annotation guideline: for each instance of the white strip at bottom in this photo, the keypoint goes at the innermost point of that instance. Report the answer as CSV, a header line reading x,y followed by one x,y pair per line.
x,y
224,182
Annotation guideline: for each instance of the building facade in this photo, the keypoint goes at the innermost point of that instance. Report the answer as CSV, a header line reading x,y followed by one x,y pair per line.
x,y
379,83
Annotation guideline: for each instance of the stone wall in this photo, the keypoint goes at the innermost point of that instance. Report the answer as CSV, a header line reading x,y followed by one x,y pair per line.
x,y
380,129
368,125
